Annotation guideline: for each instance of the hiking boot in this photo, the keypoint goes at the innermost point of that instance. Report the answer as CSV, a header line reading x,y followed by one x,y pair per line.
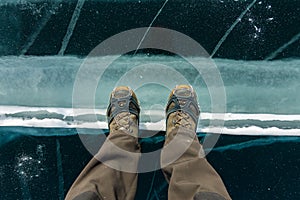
x,y
182,109
123,111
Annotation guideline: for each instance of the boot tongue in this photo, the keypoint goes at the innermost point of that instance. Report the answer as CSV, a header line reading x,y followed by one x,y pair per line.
x,y
183,92
182,102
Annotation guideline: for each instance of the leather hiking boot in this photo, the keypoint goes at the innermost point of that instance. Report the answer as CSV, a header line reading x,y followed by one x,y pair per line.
x,y
123,111
182,109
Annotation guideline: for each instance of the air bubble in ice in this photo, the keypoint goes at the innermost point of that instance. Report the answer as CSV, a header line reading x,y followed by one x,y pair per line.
x,y
40,151
28,167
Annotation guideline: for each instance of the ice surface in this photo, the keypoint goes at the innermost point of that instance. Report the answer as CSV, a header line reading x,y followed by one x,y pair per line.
x,y
226,29
235,123
251,86
36,92
262,96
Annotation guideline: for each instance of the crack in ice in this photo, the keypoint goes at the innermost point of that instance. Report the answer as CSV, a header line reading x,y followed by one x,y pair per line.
x,y
255,143
150,25
42,23
59,171
71,26
283,47
231,28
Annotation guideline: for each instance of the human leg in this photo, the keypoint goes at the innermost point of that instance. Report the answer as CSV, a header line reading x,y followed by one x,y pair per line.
x,y
190,176
107,176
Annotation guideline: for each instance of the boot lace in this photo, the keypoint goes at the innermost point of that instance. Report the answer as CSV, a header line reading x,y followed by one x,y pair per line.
x,y
182,119
124,122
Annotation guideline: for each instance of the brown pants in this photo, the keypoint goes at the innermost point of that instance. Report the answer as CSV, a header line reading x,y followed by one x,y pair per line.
x,y
189,177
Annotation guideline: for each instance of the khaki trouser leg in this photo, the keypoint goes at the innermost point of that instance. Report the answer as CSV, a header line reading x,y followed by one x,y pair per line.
x,y
99,181
190,176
